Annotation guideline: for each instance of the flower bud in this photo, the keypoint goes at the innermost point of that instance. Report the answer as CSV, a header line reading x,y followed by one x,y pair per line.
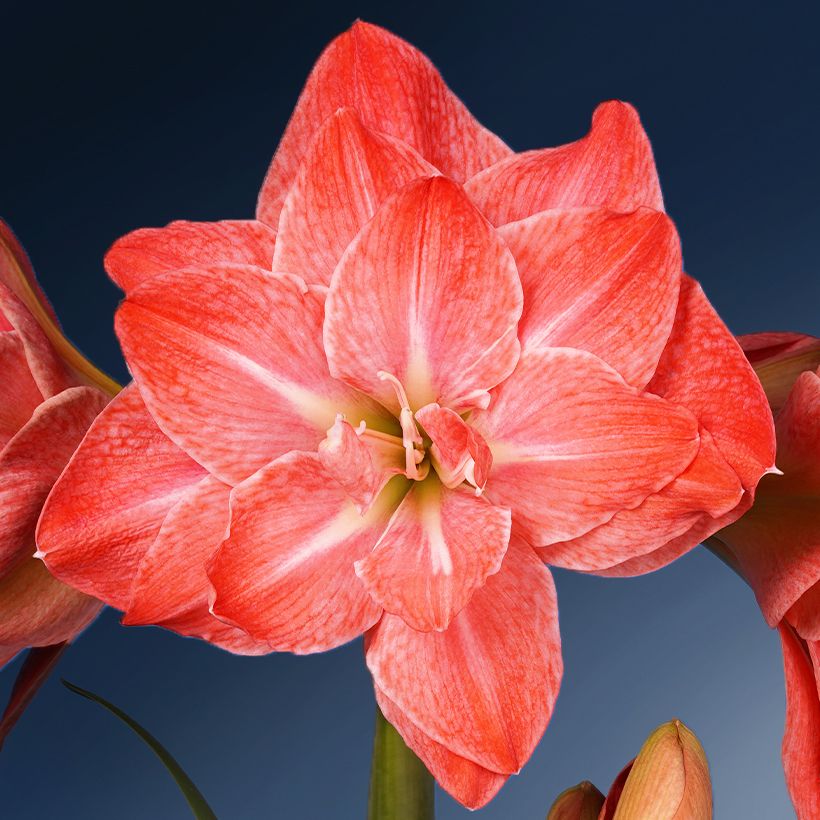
x,y
581,802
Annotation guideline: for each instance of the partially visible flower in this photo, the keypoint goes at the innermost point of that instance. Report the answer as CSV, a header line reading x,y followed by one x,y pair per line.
x,y
668,780
775,546
427,364
49,395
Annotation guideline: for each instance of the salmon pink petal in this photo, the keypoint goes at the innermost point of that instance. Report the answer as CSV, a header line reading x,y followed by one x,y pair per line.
x,y
108,506
801,749
438,549
37,610
285,573
171,587
19,395
394,89
704,369
599,281
485,687
429,294
347,173
147,252
230,363
26,476
708,484
472,785
573,444
611,167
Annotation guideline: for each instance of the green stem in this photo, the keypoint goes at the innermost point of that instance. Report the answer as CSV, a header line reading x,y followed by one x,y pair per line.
x,y
401,788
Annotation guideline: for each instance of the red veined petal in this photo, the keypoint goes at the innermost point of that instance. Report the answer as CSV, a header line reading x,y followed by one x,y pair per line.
x,y
573,444
347,173
147,252
611,167
428,293
19,395
438,549
394,89
599,281
285,573
230,363
486,686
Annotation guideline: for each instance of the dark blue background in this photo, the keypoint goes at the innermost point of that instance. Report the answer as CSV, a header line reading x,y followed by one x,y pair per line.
x,y
116,116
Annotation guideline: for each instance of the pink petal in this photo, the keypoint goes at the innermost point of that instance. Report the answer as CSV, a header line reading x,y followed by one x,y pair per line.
x,y
230,363
438,549
107,508
394,89
428,293
285,574
573,444
485,688
19,395
27,475
472,785
37,610
599,281
703,369
801,738
707,487
147,252
347,173
611,167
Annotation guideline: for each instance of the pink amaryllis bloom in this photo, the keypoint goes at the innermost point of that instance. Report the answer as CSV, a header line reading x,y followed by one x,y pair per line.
x,y
427,367
775,546
47,403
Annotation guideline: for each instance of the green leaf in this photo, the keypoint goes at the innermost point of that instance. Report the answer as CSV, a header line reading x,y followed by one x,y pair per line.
x,y
199,806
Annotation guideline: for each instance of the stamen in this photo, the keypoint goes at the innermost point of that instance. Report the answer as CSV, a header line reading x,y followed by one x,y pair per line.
x,y
410,433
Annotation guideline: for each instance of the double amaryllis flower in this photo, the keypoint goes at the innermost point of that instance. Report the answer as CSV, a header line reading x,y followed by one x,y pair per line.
x,y
430,366
47,403
776,547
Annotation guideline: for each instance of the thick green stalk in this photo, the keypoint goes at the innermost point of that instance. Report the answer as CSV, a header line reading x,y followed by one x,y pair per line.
x,y
401,788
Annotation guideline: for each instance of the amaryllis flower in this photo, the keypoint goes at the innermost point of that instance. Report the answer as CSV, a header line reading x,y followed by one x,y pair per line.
x,y
775,546
428,366
47,403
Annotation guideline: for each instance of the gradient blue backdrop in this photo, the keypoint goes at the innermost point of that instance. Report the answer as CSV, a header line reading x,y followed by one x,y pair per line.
x,y
116,116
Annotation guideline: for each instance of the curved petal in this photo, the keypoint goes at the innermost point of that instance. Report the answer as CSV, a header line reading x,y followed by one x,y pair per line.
x,y
801,737
573,444
472,785
107,507
17,273
611,167
347,174
704,369
147,252
394,89
438,549
230,363
599,281
19,394
428,293
285,573
708,485
27,475
486,686
37,610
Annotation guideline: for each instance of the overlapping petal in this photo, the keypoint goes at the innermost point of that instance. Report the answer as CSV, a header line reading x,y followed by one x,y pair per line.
x,y
441,297
19,394
230,363
483,689
147,252
440,546
566,433
347,173
611,167
394,89
300,592
599,281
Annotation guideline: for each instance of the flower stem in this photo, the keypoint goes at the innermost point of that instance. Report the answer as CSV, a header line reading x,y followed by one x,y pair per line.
x,y
401,788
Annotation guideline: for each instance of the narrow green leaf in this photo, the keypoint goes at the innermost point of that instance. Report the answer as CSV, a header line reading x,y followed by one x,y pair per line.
x,y
199,806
